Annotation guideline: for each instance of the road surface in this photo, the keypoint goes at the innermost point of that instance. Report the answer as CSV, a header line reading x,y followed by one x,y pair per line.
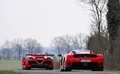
x,y
43,71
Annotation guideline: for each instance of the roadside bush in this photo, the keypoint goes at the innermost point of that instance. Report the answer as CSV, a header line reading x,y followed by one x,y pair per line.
x,y
118,67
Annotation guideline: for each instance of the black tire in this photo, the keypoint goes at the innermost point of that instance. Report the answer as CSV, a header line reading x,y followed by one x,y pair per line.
x,y
64,68
49,68
68,69
61,64
28,68
98,68
61,70
93,69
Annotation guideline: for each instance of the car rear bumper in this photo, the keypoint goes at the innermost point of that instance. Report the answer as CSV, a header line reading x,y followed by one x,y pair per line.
x,y
78,65
84,63
45,64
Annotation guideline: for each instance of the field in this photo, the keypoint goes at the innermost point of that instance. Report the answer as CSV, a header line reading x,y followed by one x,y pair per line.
x,y
10,72
10,64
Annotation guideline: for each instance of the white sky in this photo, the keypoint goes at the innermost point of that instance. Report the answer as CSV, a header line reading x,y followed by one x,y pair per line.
x,y
41,19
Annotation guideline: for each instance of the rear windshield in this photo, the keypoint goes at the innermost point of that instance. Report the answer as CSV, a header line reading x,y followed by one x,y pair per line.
x,y
82,51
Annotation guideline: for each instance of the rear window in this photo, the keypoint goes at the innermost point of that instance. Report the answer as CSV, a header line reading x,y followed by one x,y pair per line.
x,y
82,51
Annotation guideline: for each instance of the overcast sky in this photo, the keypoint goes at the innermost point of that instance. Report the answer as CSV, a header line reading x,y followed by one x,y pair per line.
x,y
41,19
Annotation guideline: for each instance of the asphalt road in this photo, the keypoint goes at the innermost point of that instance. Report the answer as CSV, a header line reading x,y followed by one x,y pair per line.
x,y
43,71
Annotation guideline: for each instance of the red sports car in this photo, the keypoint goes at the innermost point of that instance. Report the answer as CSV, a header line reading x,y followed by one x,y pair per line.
x,y
81,59
38,61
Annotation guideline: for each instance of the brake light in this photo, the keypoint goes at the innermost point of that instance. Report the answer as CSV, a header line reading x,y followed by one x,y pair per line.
x,y
45,57
98,55
48,58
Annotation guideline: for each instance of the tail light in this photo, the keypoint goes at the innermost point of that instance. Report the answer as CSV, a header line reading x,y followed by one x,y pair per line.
x,y
48,58
45,57
99,55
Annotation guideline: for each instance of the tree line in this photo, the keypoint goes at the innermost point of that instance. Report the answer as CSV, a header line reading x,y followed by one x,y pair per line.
x,y
66,43
18,48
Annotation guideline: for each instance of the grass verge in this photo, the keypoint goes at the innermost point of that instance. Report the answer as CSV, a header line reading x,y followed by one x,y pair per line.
x,y
10,72
10,64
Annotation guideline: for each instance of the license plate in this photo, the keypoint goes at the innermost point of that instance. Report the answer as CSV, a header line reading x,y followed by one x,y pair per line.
x,y
85,60
39,58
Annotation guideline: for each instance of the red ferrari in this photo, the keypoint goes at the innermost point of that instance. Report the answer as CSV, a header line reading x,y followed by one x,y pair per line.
x,y
81,59
38,61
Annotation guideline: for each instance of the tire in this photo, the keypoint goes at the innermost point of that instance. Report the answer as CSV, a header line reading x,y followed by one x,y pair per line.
x,y
28,68
93,69
98,68
49,68
61,70
61,65
23,68
66,68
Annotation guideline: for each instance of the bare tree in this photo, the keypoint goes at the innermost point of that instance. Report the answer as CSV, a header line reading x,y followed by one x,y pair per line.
x,y
32,45
57,43
67,43
98,10
79,41
18,46
6,51
38,48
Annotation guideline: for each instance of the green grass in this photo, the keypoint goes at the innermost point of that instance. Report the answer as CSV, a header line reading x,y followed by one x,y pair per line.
x,y
10,64
10,72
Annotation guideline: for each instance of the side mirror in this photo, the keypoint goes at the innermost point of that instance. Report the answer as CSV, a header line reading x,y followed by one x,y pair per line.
x,y
59,55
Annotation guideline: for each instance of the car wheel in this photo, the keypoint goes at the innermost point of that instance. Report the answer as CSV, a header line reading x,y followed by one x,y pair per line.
x,y
66,68
27,68
97,68
61,69
49,68
23,68
94,68
61,65
100,68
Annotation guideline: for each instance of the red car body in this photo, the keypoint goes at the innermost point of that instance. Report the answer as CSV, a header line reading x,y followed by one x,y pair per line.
x,y
82,59
38,61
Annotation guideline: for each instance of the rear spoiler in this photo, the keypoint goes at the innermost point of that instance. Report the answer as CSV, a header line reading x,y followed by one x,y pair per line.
x,y
46,54
49,54
38,54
